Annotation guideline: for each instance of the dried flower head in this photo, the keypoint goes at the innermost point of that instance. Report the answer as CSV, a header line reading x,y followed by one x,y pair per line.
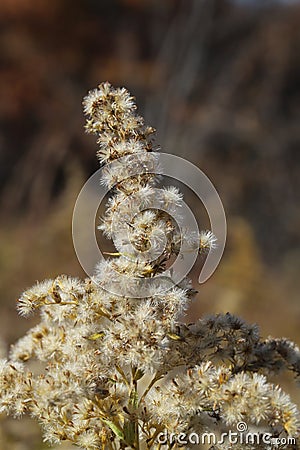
x,y
118,370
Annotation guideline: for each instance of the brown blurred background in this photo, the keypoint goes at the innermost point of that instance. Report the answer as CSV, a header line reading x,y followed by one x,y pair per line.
x,y
219,79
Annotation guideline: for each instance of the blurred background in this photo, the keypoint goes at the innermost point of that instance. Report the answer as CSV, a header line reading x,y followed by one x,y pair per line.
x,y
219,79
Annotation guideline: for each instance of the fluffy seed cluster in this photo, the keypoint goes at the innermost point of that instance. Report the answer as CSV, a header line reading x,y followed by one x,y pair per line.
x,y
118,370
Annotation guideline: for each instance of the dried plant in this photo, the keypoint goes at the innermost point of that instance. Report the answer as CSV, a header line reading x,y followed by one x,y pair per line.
x,y
121,371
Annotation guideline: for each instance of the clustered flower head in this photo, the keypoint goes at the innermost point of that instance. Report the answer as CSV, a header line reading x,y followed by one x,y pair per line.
x,y
118,370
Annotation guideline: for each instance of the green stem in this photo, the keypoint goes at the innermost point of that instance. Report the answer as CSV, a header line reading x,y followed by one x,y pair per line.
x,y
121,372
156,378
